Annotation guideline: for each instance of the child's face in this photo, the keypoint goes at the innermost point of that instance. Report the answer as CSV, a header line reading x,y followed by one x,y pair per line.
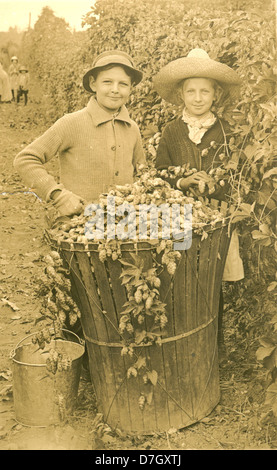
x,y
112,88
198,95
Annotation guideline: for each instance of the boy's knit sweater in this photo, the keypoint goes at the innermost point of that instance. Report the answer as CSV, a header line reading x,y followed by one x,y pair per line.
x,y
96,150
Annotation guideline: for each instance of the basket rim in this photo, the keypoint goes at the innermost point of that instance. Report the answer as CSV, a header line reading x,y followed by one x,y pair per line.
x,y
143,244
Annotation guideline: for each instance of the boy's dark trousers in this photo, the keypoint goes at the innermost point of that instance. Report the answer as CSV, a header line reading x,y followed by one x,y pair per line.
x,y
21,92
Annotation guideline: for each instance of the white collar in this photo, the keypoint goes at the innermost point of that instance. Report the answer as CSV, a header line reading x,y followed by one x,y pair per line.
x,y
198,126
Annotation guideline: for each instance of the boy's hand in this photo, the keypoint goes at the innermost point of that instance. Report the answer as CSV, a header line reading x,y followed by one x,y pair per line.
x,y
67,203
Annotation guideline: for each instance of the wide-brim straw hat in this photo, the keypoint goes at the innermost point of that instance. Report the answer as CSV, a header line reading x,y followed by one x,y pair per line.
x,y
22,68
115,57
14,58
197,64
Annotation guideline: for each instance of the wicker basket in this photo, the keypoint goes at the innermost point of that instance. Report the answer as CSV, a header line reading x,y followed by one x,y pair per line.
x,y
186,361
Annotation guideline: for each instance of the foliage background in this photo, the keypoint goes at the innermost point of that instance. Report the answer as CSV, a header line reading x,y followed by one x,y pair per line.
x,y
241,34
10,43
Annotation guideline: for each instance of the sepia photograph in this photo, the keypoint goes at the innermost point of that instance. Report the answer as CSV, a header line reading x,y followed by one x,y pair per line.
x,y
138,261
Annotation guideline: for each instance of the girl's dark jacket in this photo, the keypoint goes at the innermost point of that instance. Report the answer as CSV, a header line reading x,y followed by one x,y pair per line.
x,y
176,148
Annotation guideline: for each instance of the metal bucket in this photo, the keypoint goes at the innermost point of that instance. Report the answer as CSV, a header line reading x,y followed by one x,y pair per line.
x,y
42,398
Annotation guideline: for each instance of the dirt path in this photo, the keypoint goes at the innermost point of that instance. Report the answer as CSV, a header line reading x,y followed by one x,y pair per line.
x,y
234,424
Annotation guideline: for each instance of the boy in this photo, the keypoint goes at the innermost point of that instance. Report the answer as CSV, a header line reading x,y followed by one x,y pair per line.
x,y
23,84
98,146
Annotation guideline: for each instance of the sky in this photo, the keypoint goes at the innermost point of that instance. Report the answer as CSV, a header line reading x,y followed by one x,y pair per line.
x,y
16,13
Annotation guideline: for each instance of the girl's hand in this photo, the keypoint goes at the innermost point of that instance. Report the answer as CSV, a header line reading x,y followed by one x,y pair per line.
x,y
194,179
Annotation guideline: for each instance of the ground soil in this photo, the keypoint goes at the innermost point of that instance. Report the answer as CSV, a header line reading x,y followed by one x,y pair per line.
x,y
239,422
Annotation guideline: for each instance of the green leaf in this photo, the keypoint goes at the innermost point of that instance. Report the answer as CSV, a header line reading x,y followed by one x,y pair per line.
x,y
257,235
274,407
250,150
262,352
125,263
129,308
244,211
151,272
264,228
132,371
271,287
134,271
138,282
273,319
126,279
273,140
269,362
151,130
153,377
266,342
141,362
204,236
271,394
140,336
149,397
138,309
139,262
269,173
124,317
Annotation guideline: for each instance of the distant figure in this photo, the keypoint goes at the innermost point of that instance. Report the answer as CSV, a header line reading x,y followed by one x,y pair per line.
x,y
23,84
5,87
14,75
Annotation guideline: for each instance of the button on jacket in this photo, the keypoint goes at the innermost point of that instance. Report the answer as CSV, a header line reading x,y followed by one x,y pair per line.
x,y
96,149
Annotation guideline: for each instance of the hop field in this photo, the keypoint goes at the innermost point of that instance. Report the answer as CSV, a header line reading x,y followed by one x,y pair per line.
x,y
241,34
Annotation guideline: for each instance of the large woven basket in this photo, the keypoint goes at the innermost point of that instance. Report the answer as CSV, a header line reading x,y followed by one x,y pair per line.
x,y
187,388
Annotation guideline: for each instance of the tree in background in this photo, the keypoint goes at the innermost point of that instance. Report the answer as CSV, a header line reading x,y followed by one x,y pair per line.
x,y
10,43
55,57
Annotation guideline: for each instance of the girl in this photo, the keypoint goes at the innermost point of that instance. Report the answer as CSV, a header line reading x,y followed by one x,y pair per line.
x,y
198,83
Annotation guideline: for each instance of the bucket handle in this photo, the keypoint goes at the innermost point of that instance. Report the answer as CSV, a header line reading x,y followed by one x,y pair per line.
x,y
13,351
